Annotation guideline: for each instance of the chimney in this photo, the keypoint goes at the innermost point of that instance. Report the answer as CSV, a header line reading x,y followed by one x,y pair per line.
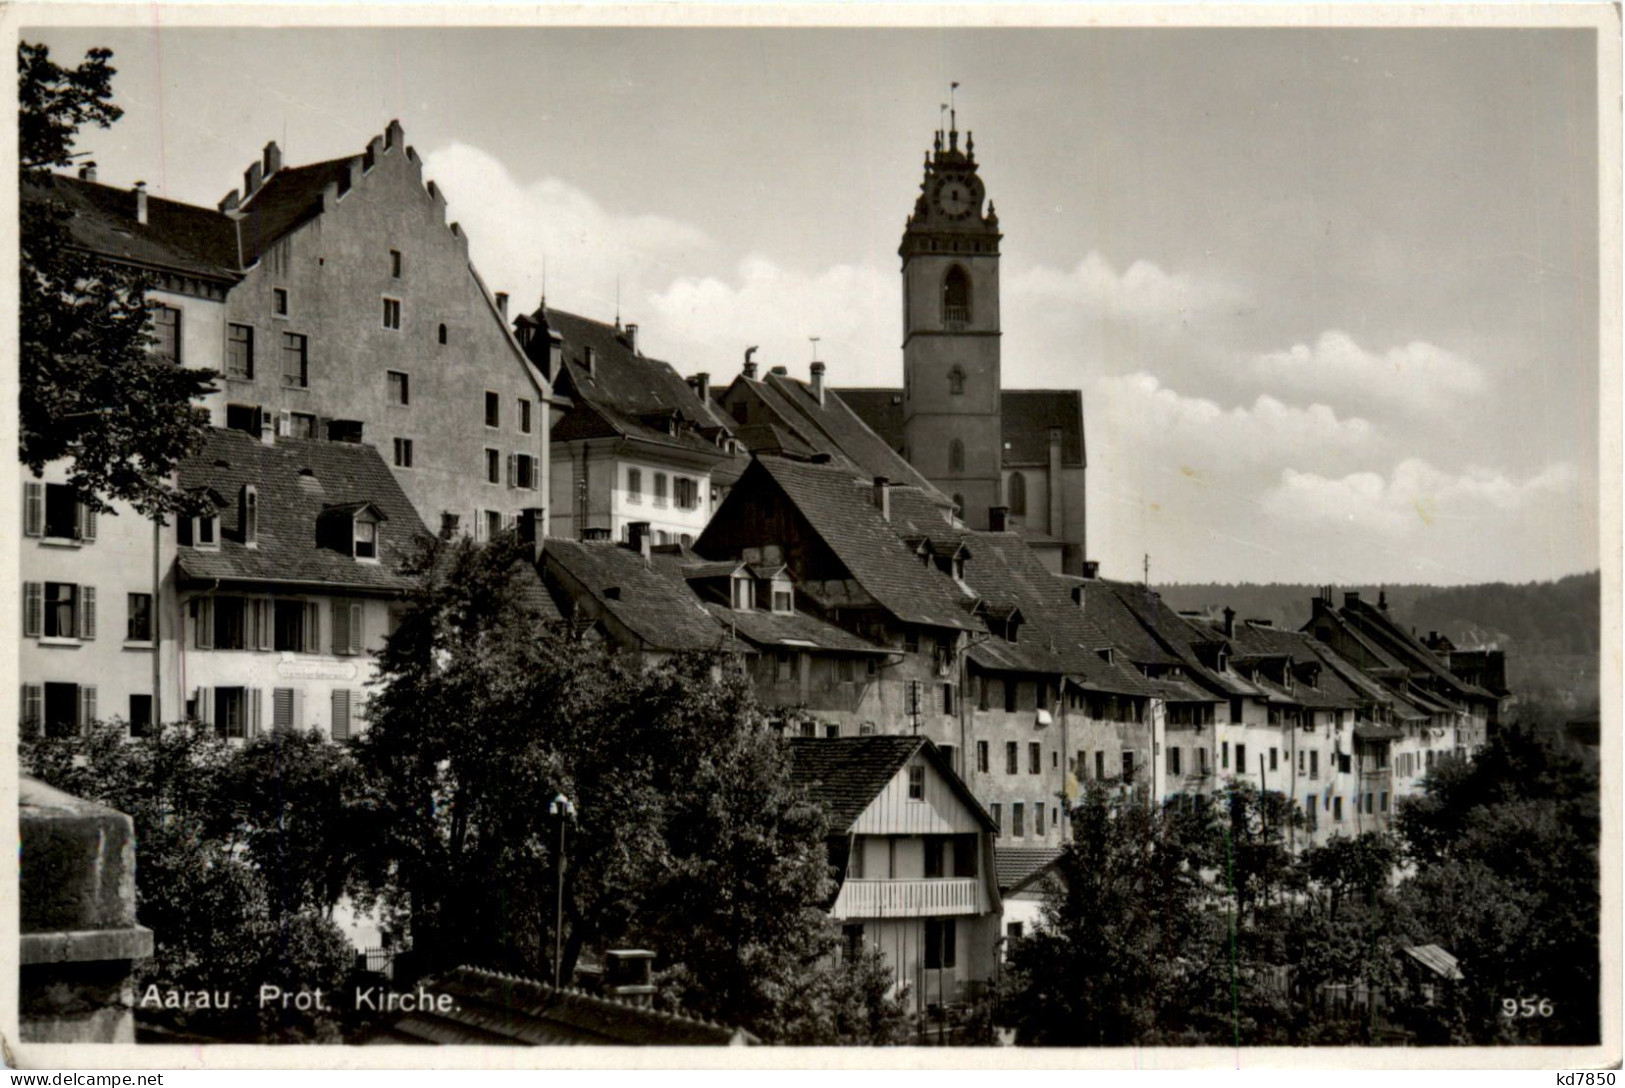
x,y
1229,622
883,496
701,384
252,178
782,371
817,370
1091,568
532,519
502,304
87,172
140,202
749,369
228,203
998,519
273,158
1351,598
638,534
631,336
1382,600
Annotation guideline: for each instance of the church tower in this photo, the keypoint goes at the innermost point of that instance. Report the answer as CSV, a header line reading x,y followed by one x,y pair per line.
x,y
950,255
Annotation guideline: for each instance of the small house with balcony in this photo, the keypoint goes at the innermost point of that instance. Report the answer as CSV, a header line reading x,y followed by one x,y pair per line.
x,y
913,854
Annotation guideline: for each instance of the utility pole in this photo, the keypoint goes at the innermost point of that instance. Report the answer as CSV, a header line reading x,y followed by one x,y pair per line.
x,y
565,811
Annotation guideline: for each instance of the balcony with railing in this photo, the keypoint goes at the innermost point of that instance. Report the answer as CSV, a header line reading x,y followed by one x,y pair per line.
x,y
930,898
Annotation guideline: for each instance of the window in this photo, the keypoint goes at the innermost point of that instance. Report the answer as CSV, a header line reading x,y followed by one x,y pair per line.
x,y
240,352
916,782
366,538
63,709
940,939
1009,694
230,631
852,939
166,333
493,466
1241,759
295,361
349,633
634,486
1128,767
685,493
1038,818
55,512
1018,494
1100,765
660,489
287,709
1337,809
956,382
996,812
1224,754
493,524
524,413
395,264
1173,760
947,698
981,756
524,471
403,453
493,410
59,610
301,425
1314,764
956,297
1035,758
832,731
956,456
846,670
138,618
1384,800
279,301
1272,759
784,665
1311,816
1018,820
784,604
231,712
744,594
1011,758
400,387
140,715
392,313
294,627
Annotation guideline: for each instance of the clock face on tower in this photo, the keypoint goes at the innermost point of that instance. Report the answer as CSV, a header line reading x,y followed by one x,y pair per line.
x,y
955,198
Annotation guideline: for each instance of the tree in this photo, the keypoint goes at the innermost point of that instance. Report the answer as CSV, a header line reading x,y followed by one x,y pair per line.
x,y
220,919
92,392
689,836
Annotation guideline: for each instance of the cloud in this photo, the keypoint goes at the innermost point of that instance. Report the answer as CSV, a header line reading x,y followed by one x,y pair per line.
x,y
1419,376
1416,499
1143,293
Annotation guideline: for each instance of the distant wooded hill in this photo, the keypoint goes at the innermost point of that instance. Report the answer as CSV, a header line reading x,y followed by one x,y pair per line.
x,y
1551,631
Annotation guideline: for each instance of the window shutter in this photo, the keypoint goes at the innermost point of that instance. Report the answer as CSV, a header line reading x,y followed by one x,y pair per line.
x,y
87,705
299,708
255,703
341,714
33,609
87,612
203,622
313,628
33,509
205,705
87,523
282,709
510,469
357,639
33,704
341,627
284,424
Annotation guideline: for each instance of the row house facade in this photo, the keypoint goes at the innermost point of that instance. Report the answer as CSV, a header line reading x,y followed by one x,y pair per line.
x,y
632,442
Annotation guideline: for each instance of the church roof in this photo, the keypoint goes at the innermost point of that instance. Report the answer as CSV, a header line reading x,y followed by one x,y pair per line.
x,y
1026,416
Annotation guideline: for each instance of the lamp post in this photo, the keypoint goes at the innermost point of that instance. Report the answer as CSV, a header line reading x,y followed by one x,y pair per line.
x,y
565,811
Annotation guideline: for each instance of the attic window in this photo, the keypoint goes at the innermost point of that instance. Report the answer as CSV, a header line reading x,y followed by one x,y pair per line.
x,y
783,599
744,594
365,539
1107,655
250,519
916,782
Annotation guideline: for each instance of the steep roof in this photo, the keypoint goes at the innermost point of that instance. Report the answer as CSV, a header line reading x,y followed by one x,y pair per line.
x,y
286,201
846,773
295,481
841,511
652,599
1026,416
625,392
177,237
1019,866
1407,646
490,1008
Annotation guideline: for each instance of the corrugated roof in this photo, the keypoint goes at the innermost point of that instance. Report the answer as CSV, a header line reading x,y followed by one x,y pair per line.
x,y
841,511
1026,416
295,480
490,1008
653,600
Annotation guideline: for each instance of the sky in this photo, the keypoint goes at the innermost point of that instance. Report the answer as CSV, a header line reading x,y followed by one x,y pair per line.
x,y
1330,295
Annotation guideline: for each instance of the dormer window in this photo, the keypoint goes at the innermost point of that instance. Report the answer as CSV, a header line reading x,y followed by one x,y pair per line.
x,y
366,539
744,593
250,516
784,599
353,529
206,532
1108,656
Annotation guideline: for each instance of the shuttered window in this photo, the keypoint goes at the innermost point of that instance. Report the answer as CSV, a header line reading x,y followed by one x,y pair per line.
x,y
286,704
33,608
347,627
33,509
341,714
33,706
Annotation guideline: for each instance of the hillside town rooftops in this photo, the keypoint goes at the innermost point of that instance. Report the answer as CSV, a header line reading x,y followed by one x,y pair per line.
x,y
649,598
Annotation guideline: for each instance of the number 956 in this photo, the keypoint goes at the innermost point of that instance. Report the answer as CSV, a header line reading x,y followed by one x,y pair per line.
x,y
1526,1008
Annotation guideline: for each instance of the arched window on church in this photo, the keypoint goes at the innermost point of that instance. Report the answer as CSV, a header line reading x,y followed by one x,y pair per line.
x,y
956,382
1018,494
956,456
956,297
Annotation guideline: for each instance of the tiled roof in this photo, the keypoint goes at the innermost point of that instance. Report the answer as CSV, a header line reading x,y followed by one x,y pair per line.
x,y
488,1008
626,392
841,511
1107,605
1407,645
295,480
654,601
176,236
1026,415
1018,866
845,774
789,629
286,201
